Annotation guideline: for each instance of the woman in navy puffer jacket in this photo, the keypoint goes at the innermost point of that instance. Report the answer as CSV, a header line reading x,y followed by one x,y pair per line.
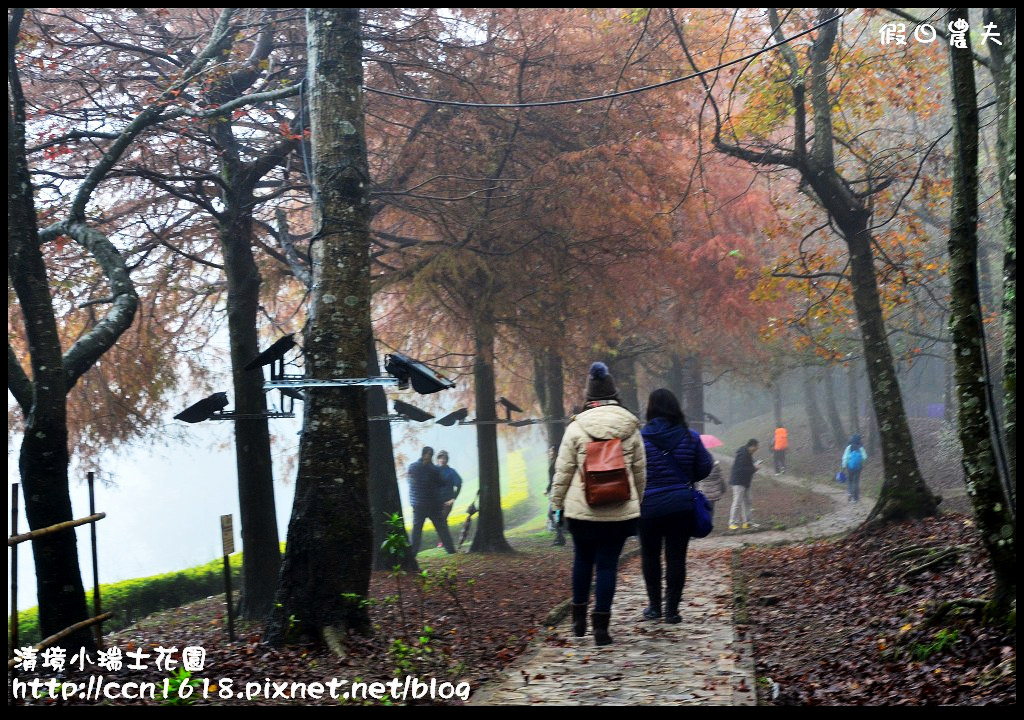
x,y
676,459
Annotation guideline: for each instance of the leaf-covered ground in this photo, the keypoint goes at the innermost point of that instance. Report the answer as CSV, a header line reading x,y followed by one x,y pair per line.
x,y
840,623
832,623
472,616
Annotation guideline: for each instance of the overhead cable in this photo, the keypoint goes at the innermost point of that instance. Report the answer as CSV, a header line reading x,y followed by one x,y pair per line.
x,y
609,96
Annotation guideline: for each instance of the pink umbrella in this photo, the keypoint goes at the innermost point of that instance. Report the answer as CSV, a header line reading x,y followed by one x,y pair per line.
x,y
710,441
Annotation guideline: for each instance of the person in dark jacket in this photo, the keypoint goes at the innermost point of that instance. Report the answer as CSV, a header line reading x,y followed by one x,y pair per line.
x,y
452,482
743,469
676,459
427,494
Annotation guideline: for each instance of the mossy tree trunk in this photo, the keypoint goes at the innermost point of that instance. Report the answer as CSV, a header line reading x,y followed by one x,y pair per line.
x,y
326,570
1004,72
974,412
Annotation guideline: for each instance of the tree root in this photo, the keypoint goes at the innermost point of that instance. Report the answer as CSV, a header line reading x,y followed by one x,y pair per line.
x,y
905,553
934,558
947,607
334,638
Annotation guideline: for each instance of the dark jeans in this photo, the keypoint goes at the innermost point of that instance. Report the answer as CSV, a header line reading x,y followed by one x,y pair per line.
x,y
674,529
853,484
598,545
780,460
439,517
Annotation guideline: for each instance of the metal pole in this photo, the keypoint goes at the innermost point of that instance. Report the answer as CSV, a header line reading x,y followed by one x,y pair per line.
x,y
227,590
96,609
14,588
14,569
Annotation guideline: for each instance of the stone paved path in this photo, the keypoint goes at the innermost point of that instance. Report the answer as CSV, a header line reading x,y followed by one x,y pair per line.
x,y
702,661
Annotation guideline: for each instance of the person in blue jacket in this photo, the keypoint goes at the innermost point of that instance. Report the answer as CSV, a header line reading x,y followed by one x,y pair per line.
x,y
452,481
676,459
853,461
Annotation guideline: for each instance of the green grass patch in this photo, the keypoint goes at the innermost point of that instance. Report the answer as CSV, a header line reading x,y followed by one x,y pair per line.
x,y
130,600
524,478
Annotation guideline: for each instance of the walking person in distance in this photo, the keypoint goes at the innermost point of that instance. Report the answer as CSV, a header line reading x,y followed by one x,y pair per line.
x,y
427,494
854,457
743,469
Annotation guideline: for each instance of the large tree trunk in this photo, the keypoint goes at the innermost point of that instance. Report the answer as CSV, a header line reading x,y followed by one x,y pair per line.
x,y
674,377
385,500
693,392
623,371
490,531
549,383
1004,71
261,550
814,419
776,388
326,571
853,398
832,410
43,460
996,524
904,493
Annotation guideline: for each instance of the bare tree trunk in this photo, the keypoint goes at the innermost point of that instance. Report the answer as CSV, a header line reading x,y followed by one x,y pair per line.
x,y
385,499
814,418
326,569
693,392
777,401
674,377
623,370
832,409
996,524
43,458
853,397
490,533
549,383
1004,71
261,563
904,493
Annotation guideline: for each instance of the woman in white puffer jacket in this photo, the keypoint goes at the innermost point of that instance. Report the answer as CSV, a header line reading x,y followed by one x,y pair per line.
x,y
598,532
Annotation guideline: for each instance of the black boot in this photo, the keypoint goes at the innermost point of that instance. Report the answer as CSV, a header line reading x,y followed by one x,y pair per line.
x,y
653,609
601,620
579,619
672,616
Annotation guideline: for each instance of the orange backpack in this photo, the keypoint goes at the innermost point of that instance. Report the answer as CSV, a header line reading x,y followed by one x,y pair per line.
x,y
605,478
781,439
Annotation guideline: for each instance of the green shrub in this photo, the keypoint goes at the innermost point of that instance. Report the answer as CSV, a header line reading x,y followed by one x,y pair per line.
x,y
130,600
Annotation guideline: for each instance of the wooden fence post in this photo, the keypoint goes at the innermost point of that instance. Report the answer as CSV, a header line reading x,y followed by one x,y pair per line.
x,y
96,609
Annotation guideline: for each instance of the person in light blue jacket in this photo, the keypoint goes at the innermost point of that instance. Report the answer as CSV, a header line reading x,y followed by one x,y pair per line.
x,y
854,457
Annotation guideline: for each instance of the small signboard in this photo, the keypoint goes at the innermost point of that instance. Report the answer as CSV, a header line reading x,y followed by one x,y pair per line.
x,y
227,533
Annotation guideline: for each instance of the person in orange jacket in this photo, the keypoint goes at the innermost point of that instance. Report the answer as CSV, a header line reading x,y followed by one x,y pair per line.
x,y
780,443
